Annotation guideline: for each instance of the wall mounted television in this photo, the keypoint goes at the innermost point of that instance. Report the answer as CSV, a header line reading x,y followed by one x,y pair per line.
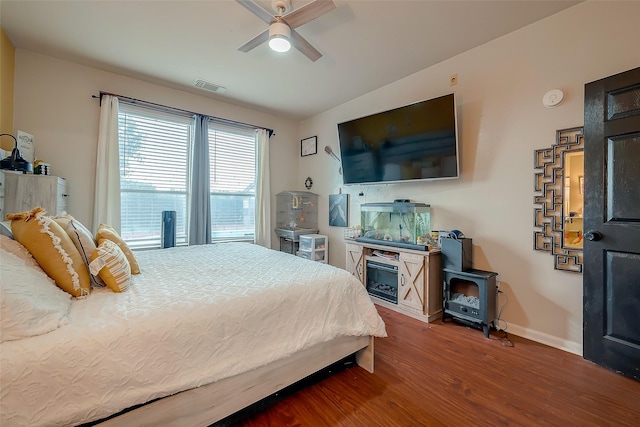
x,y
415,142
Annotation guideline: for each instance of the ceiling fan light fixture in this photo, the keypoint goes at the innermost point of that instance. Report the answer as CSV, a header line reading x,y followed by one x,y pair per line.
x,y
279,34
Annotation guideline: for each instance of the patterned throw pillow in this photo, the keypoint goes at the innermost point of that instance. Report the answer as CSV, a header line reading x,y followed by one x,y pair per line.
x,y
83,241
111,264
107,232
51,246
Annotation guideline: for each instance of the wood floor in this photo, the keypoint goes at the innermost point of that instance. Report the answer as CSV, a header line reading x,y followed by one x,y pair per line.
x,y
451,375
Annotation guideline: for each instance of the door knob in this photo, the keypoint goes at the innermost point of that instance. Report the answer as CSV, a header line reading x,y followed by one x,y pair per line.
x,y
593,236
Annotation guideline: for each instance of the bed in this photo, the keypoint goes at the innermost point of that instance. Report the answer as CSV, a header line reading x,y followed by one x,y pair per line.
x,y
202,332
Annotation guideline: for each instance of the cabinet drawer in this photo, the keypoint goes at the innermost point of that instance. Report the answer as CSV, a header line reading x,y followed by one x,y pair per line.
x,y
312,255
24,192
313,241
62,195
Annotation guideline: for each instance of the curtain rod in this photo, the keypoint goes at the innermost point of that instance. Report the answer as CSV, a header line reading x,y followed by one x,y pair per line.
x,y
233,122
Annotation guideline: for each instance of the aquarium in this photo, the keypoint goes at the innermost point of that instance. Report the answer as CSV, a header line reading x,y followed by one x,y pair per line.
x,y
402,224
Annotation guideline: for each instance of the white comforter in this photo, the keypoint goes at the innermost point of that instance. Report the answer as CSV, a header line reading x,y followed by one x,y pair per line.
x,y
194,316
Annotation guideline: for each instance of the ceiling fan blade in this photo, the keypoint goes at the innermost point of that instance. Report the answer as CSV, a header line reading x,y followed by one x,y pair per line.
x,y
308,12
257,40
257,10
304,46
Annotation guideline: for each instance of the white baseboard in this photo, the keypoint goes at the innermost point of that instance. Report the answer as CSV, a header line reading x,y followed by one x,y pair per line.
x,y
550,340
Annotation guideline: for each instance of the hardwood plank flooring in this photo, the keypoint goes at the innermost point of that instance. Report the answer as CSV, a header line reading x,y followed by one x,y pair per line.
x,y
450,375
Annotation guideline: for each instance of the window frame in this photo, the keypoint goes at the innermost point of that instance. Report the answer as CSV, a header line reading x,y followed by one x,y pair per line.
x,y
214,125
249,137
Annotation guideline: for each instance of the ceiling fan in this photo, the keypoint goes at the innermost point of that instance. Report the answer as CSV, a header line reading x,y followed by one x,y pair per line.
x,y
281,33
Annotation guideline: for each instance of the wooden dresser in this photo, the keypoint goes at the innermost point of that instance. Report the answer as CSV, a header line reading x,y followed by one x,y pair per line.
x,y
23,192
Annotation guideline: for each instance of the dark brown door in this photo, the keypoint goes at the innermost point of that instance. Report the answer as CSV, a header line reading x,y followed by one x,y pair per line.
x,y
612,223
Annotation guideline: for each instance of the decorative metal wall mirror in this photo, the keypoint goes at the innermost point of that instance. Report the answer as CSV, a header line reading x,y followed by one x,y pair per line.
x,y
559,184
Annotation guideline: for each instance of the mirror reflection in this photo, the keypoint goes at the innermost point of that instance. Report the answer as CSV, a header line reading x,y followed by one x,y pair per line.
x,y
573,199
559,201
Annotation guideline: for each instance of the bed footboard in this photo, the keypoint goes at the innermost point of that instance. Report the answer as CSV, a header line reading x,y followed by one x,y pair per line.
x,y
212,402
364,357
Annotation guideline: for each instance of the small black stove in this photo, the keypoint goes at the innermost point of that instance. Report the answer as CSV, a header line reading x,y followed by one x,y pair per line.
x,y
470,296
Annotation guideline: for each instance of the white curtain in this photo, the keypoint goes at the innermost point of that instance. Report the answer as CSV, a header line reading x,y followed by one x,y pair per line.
x,y
106,206
263,190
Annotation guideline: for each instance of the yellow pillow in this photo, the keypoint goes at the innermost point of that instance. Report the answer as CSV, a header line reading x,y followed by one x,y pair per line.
x,y
50,245
107,232
111,264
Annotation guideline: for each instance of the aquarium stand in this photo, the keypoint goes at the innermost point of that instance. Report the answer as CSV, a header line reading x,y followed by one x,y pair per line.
x,y
404,280
392,243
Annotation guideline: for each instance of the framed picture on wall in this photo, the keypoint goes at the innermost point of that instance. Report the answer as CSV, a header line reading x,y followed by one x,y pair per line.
x,y
309,146
338,210
581,183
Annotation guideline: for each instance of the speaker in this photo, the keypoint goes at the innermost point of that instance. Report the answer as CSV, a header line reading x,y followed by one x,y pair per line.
x,y
168,229
457,254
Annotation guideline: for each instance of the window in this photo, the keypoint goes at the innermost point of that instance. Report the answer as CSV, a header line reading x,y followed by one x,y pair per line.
x,y
155,176
232,164
154,173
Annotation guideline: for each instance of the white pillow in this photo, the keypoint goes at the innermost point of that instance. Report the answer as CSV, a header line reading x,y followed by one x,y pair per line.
x,y
18,249
30,302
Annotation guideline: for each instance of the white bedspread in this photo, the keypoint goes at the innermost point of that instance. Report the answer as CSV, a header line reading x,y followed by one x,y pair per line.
x,y
194,316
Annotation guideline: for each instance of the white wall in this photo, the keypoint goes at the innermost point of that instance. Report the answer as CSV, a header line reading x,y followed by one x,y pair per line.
x,y
53,102
501,122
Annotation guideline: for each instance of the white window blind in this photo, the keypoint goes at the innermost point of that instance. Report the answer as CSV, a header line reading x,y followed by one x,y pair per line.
x,y
232,156
154,173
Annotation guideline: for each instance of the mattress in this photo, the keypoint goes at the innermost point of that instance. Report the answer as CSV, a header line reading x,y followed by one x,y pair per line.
x,y
194,315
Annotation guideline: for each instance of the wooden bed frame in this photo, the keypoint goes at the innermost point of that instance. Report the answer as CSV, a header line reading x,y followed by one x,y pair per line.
x,y
213,402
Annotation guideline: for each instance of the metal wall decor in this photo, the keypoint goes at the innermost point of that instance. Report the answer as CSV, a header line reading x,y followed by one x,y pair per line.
x,y
548,182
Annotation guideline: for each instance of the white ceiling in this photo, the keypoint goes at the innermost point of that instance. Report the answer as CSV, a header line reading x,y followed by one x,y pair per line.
x,y
365,44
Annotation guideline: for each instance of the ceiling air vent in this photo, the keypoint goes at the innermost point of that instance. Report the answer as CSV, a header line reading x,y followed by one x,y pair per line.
x,y
212,87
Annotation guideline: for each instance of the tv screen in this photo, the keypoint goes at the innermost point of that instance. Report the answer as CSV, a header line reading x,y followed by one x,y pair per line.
x,y
414,142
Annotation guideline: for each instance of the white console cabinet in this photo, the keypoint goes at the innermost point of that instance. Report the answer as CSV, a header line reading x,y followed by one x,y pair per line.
x,y
23,192
417,289
355,261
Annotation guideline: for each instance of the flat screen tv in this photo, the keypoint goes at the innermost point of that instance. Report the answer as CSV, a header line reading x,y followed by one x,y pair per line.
x,y
415,142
